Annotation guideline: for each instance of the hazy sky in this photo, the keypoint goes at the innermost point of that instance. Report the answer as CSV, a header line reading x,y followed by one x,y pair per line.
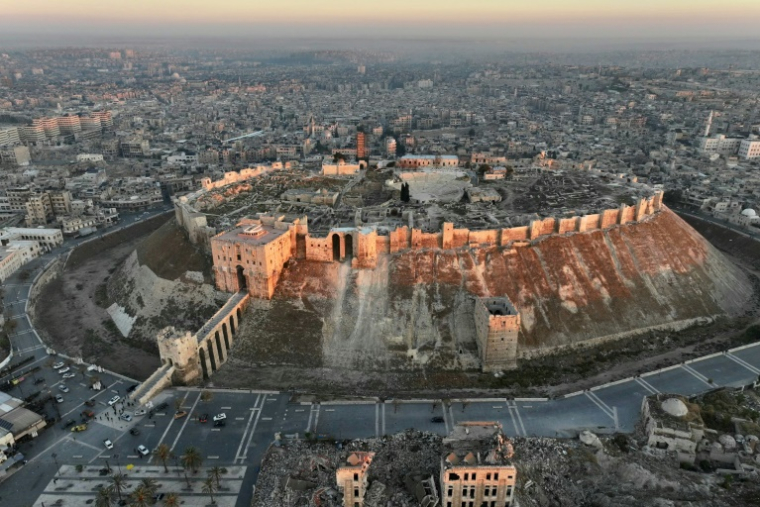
x,y
378,18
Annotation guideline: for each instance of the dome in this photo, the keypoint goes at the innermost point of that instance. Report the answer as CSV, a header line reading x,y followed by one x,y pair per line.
x,y
728,442
749,212
675,407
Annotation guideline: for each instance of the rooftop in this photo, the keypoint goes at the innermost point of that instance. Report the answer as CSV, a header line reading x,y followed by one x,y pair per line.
x,y
251,234
477,444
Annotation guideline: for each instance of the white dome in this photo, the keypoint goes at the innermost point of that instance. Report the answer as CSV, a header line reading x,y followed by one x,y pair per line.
x,y
728,442
749,212
675,407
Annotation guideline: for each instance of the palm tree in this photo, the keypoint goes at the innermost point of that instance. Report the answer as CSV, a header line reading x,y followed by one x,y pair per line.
x,y
192,459
119,483
164,453
105,497
149,485
171,500
216,474
209,487
140,497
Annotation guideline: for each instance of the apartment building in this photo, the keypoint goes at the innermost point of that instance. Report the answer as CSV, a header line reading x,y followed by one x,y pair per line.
x,y
15,156
47,238
719,144
39,210
9,136
14,254
749,148
476,467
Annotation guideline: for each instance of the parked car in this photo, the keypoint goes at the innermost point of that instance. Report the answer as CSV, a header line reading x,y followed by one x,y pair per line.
x,y
220,423
219,417
59,398
88,413
39,381
140,411
203,418
69,424
77,429
69,375
126,416
64,370
113,401
437,419
134,431
143,450
107,442
90,403
63,388
180,414
58,365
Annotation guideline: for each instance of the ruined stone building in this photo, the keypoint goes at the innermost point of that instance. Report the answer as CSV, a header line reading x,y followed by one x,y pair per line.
x,y
352,478
476,467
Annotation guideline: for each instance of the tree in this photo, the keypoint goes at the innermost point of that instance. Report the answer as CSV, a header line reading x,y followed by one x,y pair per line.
x,y
216,474
164,453
483,168
119,484
171,500
209,487
178,403
192,459
140,497
105,497
149,485
206,395
405,192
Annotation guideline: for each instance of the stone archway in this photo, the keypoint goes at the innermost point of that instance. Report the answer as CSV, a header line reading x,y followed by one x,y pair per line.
x,y
211,355
224,331
349,248
219,350
203,363
241,280
336,247
232,325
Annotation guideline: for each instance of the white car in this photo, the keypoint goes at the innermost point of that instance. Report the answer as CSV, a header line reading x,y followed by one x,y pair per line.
x,y
59,398
143,450
58,366
140,412
107,442
126,416
220,417
63,388
64,370
113,401
69,375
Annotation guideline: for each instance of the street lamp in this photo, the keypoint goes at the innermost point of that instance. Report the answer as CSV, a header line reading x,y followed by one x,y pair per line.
x,y
55,477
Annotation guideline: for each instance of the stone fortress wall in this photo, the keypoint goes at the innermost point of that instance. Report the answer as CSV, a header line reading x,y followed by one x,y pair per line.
x,y
497,331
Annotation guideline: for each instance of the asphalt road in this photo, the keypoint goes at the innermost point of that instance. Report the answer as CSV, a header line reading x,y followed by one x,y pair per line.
x,y
253,417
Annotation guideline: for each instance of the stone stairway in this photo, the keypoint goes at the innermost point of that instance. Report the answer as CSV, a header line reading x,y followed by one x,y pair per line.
x,y
160,379
221,314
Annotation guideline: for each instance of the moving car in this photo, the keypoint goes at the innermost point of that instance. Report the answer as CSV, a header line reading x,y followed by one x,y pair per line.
x,y
77,429
90,403
69,375
140,411
219,417
88,413
59,398
58,366
107,442
180,414
64,370
126,416
143,450
63,388
113,401
203,418
134,431
436,419
69,423
220,423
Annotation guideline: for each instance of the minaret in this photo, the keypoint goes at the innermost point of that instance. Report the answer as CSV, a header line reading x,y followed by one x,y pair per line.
x,y
709,124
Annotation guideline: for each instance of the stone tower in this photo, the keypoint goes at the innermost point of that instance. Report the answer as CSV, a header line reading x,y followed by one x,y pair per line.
x,y
497,325
179,349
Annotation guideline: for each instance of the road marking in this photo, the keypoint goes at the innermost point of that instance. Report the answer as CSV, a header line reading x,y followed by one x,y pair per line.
x,y
299,410
187,418
216,429
377,420
240,418
226,408
77,456
527,406
266,418
646,385
697,375
599,403
742,362
329,410
383,419
84,444
497,406
253,429
212,457
149,425
513,406
247,426
514,421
